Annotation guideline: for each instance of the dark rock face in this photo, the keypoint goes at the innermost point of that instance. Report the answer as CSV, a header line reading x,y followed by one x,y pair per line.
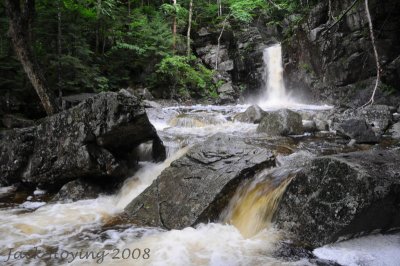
x,y
91,140
78,190
342,196
363,123
395,131
14,121
378,117
199,185
16,148
357,129
253,114
344,71
281,123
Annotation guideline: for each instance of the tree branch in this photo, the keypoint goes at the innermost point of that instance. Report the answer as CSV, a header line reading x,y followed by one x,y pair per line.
x,y
378,65
340,18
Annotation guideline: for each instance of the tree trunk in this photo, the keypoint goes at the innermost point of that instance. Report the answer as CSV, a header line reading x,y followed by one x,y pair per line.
x,y
378,65
219,41
59,36
98,9
19,23
189,27
174,29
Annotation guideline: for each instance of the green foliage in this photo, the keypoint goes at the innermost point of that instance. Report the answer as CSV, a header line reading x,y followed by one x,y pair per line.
x,y
108,44
187,76
390,90
242,10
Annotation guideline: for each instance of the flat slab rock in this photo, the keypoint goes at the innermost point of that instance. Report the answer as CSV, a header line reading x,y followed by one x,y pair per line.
x,y
199,185
342,196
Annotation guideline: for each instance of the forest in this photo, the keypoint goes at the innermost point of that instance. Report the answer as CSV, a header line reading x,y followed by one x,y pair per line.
x,y
207,132
95,46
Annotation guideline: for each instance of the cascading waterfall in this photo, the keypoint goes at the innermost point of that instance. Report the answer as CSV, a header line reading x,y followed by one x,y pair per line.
x,y
254,203
273,74
274,93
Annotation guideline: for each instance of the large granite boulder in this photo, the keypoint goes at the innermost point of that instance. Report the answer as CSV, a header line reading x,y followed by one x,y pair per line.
x,y
394,130
16,121
342,196
199,185
281,123
253,114
377,116
91,140
358,130
78,189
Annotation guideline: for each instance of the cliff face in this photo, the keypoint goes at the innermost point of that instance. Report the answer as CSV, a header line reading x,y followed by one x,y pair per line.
x,y
334,66
337,65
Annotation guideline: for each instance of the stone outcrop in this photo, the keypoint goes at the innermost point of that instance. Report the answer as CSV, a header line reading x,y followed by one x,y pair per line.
x,y
253,114
358,130
91,140
344,71
78,190
342,196
394,131
199,185
281,123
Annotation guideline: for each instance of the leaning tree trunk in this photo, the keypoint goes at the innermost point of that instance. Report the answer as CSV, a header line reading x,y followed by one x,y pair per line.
x,y
19,23
174,28
378,65
189,27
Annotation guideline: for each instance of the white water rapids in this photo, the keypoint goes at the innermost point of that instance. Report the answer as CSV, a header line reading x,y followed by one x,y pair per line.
x,y
72,227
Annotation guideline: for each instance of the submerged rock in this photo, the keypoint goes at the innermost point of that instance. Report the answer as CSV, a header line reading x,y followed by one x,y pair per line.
x,y
342,196
93,139
253,114
282,122
199,185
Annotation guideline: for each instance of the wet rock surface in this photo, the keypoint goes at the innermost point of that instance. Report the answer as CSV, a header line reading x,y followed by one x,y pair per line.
x,y
199,185
357,129
282,122
395,131
78,190
342,196
253,114
91,140
15,121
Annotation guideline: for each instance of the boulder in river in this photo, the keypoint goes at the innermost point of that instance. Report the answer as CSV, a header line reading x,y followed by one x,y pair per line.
x,y
253,114
342,196
377,117
394,130
78,189
357,129
199,185
91,140
281,123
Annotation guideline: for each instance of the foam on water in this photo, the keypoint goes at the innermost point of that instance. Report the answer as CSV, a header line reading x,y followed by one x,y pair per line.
x,y
57,224
374,250
207,244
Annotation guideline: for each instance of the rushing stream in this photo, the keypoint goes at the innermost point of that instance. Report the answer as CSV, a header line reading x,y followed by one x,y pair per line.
x,y
65,232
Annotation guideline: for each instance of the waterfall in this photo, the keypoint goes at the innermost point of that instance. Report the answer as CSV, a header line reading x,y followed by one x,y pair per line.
x,y
274,91
252,207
